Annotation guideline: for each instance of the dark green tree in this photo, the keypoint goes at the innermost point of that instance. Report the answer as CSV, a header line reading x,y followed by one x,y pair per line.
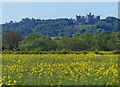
x,y
77,44
11,40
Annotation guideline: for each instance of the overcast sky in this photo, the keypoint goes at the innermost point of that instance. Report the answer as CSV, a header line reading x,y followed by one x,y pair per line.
x,y
15,11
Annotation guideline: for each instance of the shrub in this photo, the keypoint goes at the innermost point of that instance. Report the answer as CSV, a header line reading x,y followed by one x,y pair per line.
x,y
116,52
85,52
63,52
7,52
97,51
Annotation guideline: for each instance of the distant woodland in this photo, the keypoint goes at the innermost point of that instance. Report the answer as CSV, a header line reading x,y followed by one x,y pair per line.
x,y
61,34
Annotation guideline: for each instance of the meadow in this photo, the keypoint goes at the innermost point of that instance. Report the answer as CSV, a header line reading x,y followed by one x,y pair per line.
x,y
60,69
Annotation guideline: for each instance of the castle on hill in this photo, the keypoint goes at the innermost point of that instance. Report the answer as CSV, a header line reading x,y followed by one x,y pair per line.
x,y
89,19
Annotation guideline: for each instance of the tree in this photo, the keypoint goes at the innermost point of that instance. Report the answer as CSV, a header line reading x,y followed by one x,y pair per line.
x,y
39,42
105,41
63,42
88,40
11,40
77,44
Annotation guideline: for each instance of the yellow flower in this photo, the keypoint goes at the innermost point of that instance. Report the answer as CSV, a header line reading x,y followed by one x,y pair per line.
x,y
8,77
99,77
19,76
1,84
65,67
14,81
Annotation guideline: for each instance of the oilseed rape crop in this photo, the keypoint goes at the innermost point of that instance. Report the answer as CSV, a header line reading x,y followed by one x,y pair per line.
x,y
59,69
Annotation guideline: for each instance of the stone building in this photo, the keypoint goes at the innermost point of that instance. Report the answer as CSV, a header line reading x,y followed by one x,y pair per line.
x,y
87,20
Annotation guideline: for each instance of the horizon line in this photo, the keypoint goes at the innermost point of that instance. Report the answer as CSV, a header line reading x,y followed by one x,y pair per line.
x,y
49,19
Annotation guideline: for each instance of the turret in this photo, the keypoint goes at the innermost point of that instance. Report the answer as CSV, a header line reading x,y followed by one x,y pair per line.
x,y
90,13
98,17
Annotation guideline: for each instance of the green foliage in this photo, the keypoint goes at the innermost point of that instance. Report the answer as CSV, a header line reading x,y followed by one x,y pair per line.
x,y
63,52
62,43
7,52
116,52
84,52
97,51
107,41
77,44
39,42
10,40
45,27
60,27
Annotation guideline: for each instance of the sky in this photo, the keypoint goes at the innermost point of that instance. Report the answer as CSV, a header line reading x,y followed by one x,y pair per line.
x,y
60,0
15,11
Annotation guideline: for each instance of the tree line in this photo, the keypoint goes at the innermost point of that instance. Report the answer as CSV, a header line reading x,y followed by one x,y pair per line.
x,y
107,41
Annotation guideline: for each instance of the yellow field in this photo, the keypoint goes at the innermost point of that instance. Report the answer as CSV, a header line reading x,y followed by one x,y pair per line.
x,y
59,69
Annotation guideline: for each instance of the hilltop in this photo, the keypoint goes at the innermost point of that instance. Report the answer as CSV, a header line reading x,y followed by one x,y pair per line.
x,y
60,27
